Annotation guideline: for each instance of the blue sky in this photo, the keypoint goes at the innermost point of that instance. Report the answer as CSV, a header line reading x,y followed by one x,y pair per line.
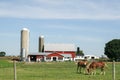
x,y
88,24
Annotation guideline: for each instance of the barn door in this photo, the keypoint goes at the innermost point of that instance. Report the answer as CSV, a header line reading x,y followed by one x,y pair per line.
x,y
54,59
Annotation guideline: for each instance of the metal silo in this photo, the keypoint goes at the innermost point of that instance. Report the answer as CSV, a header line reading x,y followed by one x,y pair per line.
x,y
24,44
41,44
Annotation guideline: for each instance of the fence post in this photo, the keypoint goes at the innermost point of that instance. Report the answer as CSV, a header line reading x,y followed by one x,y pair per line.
x,y
113,69
15,75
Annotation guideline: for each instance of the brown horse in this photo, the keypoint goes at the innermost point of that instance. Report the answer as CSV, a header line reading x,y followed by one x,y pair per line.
x,y
82,64
94,65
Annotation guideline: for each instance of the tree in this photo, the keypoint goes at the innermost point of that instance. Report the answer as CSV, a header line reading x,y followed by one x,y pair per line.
x,y
2,54
79,52
112,49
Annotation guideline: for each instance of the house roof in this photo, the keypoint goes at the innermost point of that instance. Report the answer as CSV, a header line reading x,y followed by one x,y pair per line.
x,y
46,54
59,47
39,53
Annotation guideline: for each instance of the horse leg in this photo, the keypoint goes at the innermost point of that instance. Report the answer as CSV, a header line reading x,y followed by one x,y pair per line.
x,y
93,71
87,71
102,71
78,69
90,71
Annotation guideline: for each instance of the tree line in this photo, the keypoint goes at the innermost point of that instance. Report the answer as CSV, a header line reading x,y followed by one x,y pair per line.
x,y
2,54
112,49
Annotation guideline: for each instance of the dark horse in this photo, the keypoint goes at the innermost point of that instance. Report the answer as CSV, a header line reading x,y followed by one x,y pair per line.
x,y
94,65
82,64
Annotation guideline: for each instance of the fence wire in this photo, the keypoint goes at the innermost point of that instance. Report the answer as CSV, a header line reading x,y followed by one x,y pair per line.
x,y
10,70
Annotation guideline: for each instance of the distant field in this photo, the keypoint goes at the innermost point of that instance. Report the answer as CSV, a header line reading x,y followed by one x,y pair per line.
x,y
51,71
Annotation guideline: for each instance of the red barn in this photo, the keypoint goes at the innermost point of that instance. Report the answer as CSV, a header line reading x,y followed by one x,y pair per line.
x,y
62,49
55,52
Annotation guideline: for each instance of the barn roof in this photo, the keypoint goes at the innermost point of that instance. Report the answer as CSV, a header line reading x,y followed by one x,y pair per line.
x,y
46,54
59,47
37,53
66,55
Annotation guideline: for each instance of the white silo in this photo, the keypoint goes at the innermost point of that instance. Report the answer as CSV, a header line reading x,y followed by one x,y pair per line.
x,y
24,44
41,44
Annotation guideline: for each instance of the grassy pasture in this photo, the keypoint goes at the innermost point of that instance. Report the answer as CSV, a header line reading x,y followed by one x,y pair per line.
x,y
51,71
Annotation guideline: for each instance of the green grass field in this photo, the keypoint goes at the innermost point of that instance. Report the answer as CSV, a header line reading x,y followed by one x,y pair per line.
x,y
51,71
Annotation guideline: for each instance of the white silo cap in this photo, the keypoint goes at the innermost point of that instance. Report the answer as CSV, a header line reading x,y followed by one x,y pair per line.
x,y
42,36
25,29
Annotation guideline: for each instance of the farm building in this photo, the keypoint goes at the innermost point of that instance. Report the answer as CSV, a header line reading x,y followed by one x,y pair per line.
x,y
87,57
48,52
53,52
91,57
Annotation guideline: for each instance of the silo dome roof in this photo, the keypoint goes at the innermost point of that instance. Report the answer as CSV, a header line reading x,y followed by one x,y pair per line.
x,y
25,29
42,36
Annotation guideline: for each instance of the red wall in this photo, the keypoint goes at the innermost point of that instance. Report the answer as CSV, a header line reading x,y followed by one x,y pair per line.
x,y
65,52
55,54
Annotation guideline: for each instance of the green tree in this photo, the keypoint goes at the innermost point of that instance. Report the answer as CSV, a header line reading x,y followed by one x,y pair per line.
x,y
112,49
2,54
79,52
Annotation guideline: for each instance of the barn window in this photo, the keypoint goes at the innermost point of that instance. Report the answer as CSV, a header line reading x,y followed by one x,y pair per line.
x,y
48,58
